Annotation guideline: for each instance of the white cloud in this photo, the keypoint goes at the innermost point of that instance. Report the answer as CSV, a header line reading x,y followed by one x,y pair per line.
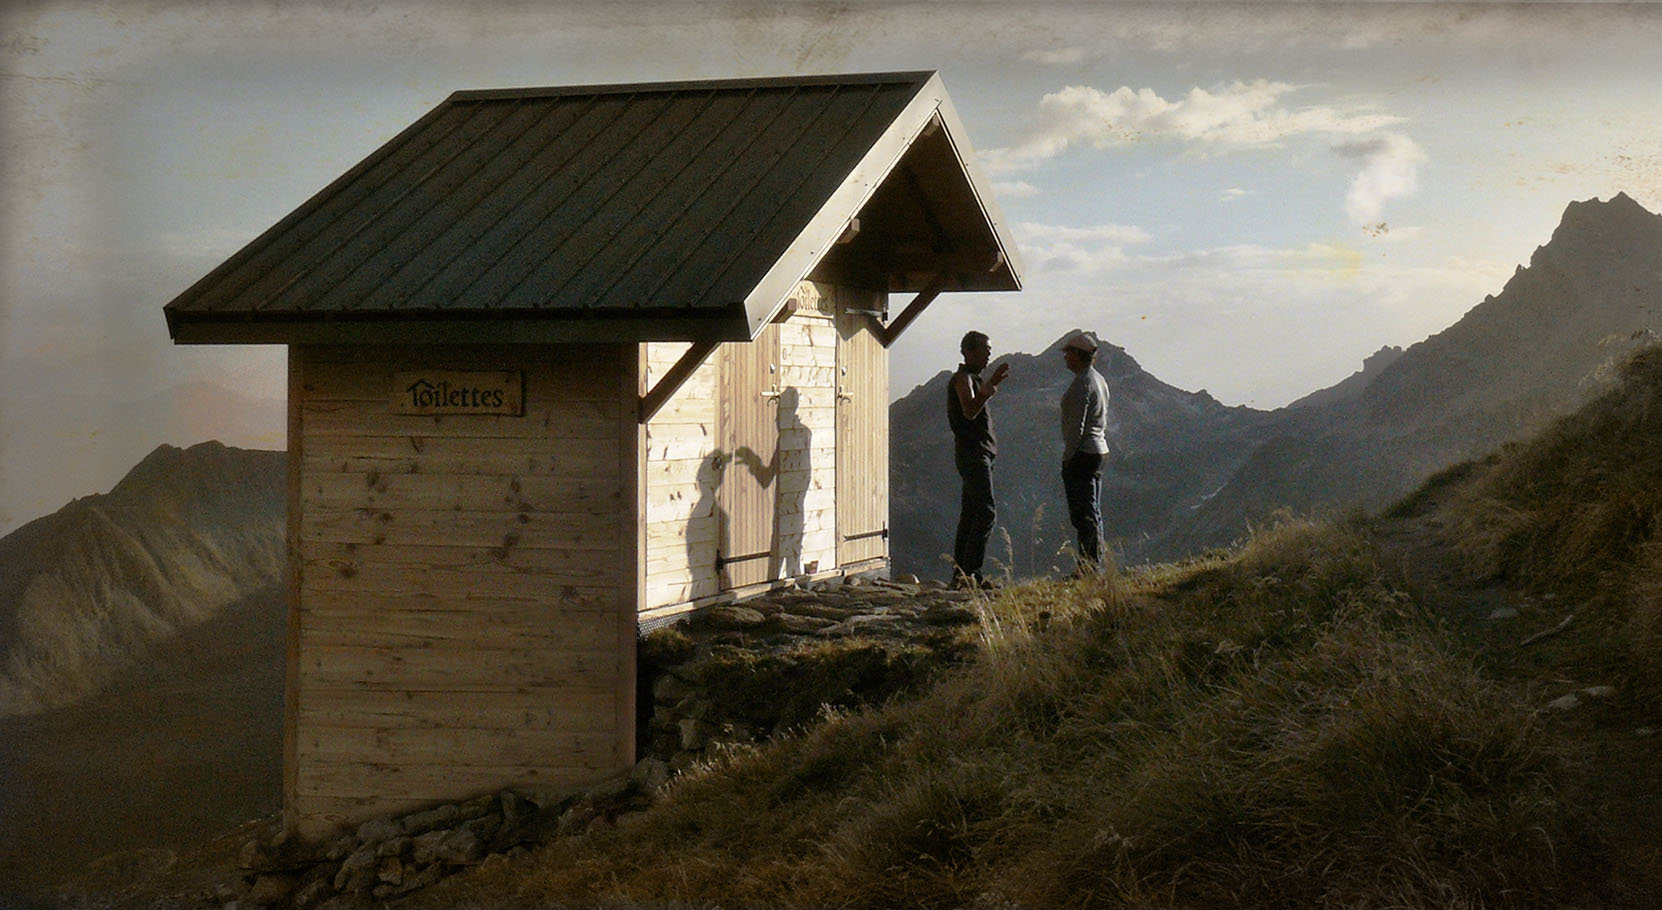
x,y
1056,57
1241,115
1057,248
1390,169
1015,189
1233,193
1237,116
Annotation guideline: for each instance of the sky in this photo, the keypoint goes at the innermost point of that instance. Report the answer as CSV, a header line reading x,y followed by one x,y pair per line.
x,y
1248,198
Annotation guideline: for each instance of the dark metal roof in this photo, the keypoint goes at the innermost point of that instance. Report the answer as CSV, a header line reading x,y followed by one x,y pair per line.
x,y
647,212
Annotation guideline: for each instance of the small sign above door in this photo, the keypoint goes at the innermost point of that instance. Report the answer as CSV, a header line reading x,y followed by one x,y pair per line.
x,y
451,392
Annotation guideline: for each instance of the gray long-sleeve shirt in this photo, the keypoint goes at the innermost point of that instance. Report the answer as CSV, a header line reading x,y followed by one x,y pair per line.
x,y
1085,414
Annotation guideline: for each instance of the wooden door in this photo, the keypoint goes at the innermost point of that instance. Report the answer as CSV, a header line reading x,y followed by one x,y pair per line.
x,y
862,432
748,442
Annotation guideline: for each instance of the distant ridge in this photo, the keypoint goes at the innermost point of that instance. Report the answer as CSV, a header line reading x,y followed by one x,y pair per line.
x,y
1188,474
88,589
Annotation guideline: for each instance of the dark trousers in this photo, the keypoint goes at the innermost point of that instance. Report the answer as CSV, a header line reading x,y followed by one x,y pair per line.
x,y
975,512
1082,481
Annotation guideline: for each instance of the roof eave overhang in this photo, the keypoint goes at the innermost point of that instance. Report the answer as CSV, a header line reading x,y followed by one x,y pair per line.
x,y
456,328
930,105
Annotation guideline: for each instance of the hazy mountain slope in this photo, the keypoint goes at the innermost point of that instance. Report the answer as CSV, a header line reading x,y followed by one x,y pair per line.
x,y
1537,350
180,747
87,589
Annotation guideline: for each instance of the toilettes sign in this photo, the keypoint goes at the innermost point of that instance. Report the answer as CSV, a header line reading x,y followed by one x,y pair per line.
x,y
452,392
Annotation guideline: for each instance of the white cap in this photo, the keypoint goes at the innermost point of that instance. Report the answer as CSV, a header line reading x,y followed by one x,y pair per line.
x,y
1083,342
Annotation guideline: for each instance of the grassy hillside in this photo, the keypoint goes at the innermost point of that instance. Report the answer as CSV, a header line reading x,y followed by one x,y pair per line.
x,y
1290,725
1280,728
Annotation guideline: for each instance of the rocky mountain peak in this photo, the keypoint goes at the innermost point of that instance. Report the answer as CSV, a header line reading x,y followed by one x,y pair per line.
x,y
92,586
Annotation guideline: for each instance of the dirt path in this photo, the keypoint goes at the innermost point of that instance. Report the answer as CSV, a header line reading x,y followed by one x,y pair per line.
x,y
1521,638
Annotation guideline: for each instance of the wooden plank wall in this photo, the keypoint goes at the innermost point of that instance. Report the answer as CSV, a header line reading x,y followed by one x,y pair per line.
x,y
862,431
686,459
465,586
808,433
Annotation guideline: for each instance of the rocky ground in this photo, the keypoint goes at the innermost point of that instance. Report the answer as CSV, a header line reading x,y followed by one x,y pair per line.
x,y
733,675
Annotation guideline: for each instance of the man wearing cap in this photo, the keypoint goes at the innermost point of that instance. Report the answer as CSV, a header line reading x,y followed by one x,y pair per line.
x,y
973,449
1084,446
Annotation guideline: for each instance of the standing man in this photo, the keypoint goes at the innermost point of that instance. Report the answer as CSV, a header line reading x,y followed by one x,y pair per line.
x,y
973,449
1084,446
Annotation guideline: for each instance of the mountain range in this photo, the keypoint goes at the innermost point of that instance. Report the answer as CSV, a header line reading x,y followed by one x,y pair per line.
x,y
86,590
1188,473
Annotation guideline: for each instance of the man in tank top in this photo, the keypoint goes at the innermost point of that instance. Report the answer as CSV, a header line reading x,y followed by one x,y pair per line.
x,y
974,446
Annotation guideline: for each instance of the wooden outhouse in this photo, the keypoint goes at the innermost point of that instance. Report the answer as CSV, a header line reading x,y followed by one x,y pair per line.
x,y
564,362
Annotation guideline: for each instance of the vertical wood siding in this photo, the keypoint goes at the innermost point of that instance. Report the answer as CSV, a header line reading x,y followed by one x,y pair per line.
x,y
748,459
862,432
707,494
464,585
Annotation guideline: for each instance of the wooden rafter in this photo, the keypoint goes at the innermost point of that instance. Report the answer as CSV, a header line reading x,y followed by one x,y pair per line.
x,y
677,375
886,334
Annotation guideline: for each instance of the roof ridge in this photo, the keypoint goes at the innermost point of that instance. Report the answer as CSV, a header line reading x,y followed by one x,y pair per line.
x,y
725,84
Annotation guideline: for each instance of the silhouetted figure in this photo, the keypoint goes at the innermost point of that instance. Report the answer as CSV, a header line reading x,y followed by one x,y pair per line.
x,y
1084,446
974,446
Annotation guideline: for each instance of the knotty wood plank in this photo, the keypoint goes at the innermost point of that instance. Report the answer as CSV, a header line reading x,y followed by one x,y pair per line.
x,y
441,527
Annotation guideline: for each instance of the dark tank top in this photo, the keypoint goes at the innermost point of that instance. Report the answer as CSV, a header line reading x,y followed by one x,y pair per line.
x,y
969,436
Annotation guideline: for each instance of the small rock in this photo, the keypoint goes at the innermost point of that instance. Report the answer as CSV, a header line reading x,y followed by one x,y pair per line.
x,y
650,774
1504,613
377,830
1564,703
431,820
460,847
1599,691
421,879
484,828
733,617
394,847
309,897
947,614
797,624
574,820
478,807
271,889
827,611
425,848
908,579
515,808
390,870
670,689
608,789
357,872
695,734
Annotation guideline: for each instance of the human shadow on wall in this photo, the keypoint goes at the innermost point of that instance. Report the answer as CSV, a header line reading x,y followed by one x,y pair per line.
x,y
704,550
789,523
